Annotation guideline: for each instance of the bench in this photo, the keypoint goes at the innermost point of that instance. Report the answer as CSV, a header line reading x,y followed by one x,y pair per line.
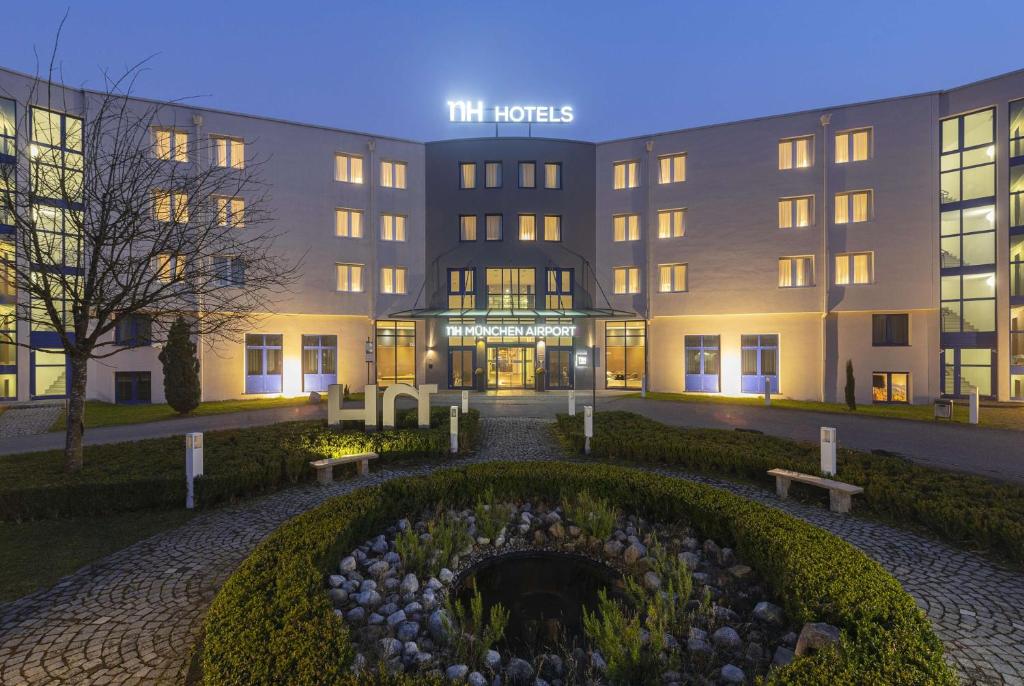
x,y
325,468
840,495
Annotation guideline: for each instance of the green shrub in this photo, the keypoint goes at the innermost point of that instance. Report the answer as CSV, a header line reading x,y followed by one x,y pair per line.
x,y
150,474
966,510
491,516
426,556
617,632
272,621
595,516
472,635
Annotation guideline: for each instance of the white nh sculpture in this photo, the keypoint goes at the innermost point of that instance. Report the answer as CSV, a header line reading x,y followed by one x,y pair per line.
x,y
368,412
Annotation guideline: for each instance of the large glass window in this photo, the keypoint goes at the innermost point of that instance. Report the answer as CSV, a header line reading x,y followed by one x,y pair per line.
x,y
319,362
559,293
7,279
796,153
1016,128
625,354
7,128
56,156
462,289
967,165
759,360
1016,265
396,353
133,388
968,236
703,362
8,353
965,369
510,288
264,363
968,302
1017,195
625,174
49,373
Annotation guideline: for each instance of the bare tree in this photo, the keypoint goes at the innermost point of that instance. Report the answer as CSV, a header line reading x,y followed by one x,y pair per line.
x,y
123,216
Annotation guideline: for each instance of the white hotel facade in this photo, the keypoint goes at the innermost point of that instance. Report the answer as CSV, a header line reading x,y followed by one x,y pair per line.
x,y
887,233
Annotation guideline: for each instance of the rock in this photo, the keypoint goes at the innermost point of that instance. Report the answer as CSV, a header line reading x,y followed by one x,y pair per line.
x,y
724,614
358,663
483,540
815,636
634,552
789,639
575,531
314,398
348,564
396,618
410,584
613,548
519,671
437,626
727,557
726,638
408,631
552,667
446,575
413,607
387,609
457,672
783,656
422,659
652,582
740,571
476,679
671,677
389,647
410,648
433,584
539,537
368,585
370,599
670,641
336,580
698,633
403,524
712,550
378,569
753,653
691,560
690,543
391,584
699,646
392,558
493,660
379,545
338,596
429,599
731,674
598,663
375,619
700,578
355,616
556,531
768,613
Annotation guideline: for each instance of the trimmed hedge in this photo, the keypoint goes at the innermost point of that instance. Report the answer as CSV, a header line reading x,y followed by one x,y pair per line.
x,y
967,510
147,474
272,621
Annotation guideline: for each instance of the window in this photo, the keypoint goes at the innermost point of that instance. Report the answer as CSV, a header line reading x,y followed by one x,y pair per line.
x,y
348,168
7,277
796,153
264,363
968,237
510,288
348,223
228,152
553,175
467,227
170,144
527,227
392,174
890,329
134,331
396,353
170,266
350,277
49,379
626,227
851,207
671,168
796,272
462,288
56,164
8,353
759,360
133,388
671,224
231,212
527,174
671,278
627,279
559,294
170,206
967,368
853,146
492,174
796,212
968,302
625,174
467,175
625,345
967,163
493,222
7,137
854,268
890,387
552,227
392,227
392,280
319,363
230,271
703,362
1016,128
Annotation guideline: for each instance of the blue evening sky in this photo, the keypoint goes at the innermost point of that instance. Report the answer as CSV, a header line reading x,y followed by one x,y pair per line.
x,y
628,68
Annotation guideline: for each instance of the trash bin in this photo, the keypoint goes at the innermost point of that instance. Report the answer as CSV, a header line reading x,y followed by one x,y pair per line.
x,y
944,409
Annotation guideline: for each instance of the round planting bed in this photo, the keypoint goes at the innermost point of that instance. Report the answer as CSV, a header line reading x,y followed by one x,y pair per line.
x,y
273,623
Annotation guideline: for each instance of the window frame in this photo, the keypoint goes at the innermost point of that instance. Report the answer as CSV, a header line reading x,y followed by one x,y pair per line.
x,y
627,284
625,216
394,227
792,142
462,292
851,146
673,284
462,176
463,226
558,228
501,173
395,271
395,165
501,227
558,167
174,146
793,271
627,165
348,157
888,388
519,174
851,271
671,159
349,266
793,214
228,143
521,216
887,338
849,206
671,212
611,329
350,212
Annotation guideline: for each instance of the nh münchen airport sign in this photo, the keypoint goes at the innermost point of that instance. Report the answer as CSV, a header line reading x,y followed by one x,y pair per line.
x,y
472,111
539,330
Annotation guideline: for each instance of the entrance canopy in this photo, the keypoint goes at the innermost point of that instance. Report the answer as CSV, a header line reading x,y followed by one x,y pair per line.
x,y
430,313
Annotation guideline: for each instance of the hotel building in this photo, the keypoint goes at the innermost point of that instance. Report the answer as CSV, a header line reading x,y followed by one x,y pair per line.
x,y
714,259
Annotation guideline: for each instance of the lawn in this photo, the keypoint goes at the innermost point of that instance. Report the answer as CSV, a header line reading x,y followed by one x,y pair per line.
x,y
1004,416
109,414
37,554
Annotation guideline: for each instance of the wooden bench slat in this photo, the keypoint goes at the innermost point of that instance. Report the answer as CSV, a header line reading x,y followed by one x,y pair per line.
x,y
325,467
816,481
344,459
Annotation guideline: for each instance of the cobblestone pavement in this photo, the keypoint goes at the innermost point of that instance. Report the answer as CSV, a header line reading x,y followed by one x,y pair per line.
x,y
28,420
134,616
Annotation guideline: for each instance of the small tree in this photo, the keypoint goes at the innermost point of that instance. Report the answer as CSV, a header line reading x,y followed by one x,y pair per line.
x,y
851,387
181,368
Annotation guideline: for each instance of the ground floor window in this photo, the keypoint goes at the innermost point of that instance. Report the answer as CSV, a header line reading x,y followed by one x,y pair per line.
x,y
461,367
759,360
8,354
396,353
559,365
49,374
625,354
703,354
966,368
890,387
319,362
264,363
132,388
511,366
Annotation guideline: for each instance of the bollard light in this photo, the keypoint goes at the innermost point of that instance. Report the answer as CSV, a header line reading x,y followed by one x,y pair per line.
x,y
572,403
588,427
767,390
974,406
453,429
193,465
465,402
828,451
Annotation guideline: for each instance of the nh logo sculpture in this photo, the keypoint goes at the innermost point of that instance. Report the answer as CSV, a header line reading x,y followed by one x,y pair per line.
x,y
368,412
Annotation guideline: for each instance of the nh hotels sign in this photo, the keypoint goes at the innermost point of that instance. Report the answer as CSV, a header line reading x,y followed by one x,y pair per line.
x,y
517,331
472,112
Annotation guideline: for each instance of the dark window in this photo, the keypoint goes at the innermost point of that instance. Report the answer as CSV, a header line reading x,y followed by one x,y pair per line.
x,y
890,329
132,388
134,331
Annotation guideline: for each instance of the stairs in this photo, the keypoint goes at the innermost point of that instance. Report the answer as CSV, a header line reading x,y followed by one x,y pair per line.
x,y
951,322
59,385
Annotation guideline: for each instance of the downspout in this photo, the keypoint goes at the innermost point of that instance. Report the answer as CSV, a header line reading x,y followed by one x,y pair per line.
x,y
647,235
370,279
197,121
825,272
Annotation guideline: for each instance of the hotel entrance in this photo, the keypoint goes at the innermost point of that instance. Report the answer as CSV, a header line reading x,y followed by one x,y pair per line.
x,y
510,366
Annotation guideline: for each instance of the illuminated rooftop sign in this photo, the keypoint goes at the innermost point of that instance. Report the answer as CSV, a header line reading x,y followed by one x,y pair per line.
x,y
472,111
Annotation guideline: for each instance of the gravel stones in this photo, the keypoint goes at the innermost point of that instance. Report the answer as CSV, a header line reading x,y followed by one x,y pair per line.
x,y
815,636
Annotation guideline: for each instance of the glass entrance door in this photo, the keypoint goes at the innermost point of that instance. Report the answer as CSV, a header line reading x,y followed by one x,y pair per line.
x,y
510,367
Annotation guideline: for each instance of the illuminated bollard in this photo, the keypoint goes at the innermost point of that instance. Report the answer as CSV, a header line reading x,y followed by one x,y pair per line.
x,y
572,403
453,430
767,391
193,466
588,427
828,451
465,402
973,406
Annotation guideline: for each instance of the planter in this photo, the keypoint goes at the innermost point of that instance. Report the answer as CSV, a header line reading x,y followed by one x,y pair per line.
x,y
539,382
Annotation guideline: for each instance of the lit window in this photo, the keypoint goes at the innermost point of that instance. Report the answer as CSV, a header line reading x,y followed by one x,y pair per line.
x,y
493,227
169,267
228,152
392,227
467,175
170,206
552,175
348,223
627,279
392,280
527,174
625,345
392,174
559,294
967,164
171,144
671,168
671,278
625,174
796,272
231,212
626,227
492,174
671,223
552,227
527,227
890,387
348,168
467,227
851,207
461,291
854,268
795,153
350,277
796,212
853,146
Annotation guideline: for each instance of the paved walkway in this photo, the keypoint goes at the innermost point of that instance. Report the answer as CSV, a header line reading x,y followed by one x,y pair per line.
x,y
28,420
133,617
